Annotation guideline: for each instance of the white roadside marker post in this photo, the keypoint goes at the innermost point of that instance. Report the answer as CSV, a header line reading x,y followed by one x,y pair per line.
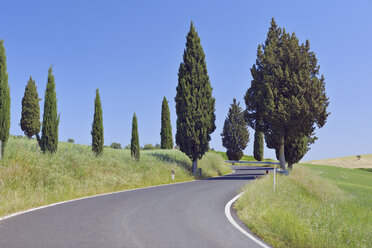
x,y
267,173
274,175
173,175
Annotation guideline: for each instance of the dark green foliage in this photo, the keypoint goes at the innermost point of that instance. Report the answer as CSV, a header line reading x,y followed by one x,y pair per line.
x,y
148,147
286,93
194,101
30,120
49,131
134,143
294,150
157,146
4,100
235,135
115,145
258,145
72,141
97,127
127,147
166,128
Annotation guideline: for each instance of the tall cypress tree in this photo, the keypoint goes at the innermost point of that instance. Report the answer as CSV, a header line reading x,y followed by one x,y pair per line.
x,y
194,101
289,95
235,135
49,131
166,128
134,143
97,127
258,145
4,100
30,120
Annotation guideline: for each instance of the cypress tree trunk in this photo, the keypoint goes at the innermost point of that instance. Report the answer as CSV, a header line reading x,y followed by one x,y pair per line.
x,y
1,150
281,153
195,167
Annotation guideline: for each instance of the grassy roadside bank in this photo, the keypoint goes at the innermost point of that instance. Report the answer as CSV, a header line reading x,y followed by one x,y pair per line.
x,y
315,206
29,178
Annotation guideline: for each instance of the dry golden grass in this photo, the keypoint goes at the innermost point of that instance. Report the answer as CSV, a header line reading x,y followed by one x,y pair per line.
x,y
351,162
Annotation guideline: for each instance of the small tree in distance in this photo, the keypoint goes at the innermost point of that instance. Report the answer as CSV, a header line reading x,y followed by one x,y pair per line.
x,y
166,128
115,145
235,135
97,126
134,143
30,120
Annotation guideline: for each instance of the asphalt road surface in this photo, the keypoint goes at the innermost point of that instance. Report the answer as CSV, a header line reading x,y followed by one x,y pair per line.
x,y
179,215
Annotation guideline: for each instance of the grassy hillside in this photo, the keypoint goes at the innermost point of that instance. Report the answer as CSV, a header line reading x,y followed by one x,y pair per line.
x,y
29,178
315,206
364,161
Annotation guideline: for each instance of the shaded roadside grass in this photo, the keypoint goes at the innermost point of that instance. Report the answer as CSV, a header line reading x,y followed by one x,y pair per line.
x,y
29,178
307,210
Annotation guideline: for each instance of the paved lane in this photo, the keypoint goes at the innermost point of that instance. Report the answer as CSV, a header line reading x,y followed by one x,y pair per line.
x,y
180,215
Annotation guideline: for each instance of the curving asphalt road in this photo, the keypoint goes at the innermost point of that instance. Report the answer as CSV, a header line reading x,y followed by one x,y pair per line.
x,y
178,215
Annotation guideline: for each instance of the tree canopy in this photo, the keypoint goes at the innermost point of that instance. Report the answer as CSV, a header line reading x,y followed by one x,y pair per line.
x,y
4,100
286,92
97,127
166,127
235,135
49,131
30,120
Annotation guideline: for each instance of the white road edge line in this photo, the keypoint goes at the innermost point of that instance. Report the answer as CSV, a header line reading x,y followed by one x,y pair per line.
x,y
87,197
92,196
232,221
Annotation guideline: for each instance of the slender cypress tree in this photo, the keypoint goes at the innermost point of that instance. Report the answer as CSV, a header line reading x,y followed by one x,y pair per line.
x,y
134,143
166,128
49,131
194,101
258,145
97,127
4,101
235,135
30,120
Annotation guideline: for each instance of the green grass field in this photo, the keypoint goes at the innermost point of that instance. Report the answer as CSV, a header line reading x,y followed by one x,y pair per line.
x,y
244,158
315,206
29,178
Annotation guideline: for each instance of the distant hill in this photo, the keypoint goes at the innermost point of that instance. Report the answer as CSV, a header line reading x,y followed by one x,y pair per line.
x,y
352,162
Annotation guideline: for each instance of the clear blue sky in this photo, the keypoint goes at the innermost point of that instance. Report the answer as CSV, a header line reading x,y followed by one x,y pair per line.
x,y
131,51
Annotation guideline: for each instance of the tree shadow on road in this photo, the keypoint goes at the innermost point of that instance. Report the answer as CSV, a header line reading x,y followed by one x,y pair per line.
x,y
240,176
172,159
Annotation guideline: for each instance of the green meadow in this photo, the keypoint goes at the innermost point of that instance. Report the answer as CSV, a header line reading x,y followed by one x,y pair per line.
x,y
315,206
29,178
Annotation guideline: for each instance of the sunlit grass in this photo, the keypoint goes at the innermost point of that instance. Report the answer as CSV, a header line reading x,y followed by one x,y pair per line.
x,y
29,178
318,206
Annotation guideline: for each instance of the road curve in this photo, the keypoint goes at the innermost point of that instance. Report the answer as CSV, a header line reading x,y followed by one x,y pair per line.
x,y
179,215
